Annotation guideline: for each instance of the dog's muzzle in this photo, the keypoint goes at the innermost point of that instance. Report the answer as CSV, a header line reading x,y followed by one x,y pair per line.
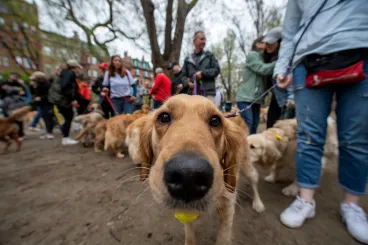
x,y
188,176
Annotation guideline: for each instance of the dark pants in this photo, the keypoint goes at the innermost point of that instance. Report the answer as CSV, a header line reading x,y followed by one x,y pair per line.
x,y
20,125
68,114
137,107
274,112
250,116
157,104
83,105
106,108
47,115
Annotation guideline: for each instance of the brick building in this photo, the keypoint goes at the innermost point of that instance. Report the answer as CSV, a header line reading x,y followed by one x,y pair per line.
x,y
24,47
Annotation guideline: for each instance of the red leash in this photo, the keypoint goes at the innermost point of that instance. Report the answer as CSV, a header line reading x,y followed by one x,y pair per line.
x,y
111,104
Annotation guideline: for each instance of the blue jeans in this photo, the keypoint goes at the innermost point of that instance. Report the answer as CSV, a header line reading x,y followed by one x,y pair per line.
x,y
36,119
312,109
122,106
250,116
157,104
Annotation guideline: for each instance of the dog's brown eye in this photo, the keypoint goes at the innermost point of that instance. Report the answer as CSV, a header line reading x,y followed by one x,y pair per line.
x,y
215,122
164,118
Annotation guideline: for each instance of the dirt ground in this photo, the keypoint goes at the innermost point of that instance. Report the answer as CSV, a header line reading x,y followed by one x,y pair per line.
x,y
56,195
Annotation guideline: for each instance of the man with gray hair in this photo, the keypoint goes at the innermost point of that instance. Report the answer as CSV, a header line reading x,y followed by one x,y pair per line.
x,y
201,68
161,88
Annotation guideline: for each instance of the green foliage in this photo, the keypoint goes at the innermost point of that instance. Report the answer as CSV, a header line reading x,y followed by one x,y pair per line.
x,y
23,76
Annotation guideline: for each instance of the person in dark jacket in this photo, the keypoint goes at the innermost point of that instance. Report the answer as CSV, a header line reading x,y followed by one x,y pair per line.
x,y
97,89
64,93
179,83
201,67
41,91
14,94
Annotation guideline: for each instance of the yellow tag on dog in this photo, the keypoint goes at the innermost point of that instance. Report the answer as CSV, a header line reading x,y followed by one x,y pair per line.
x,y
278,137
186,217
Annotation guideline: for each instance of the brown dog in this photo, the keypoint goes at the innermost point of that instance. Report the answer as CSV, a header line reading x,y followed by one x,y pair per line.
x,y
195,155
90,122
116,130
9,129
100,132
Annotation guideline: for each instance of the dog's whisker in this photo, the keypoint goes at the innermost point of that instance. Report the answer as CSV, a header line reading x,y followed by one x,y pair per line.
x,y
235,165
123,173
141,194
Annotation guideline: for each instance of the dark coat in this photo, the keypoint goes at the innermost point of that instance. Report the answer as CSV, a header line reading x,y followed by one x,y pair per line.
x,y
208,65
177,79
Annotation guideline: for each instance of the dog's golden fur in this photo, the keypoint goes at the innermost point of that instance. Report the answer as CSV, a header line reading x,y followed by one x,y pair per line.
x,y
9,129
100,131
225,148
116,130
276,147
90,122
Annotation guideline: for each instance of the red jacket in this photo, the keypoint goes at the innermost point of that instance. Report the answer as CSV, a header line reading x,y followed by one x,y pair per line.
x,y
161,88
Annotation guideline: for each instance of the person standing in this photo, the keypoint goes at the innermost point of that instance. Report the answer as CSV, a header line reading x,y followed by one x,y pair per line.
x,y
332,36
179,83
254,85
141,91
219,99
282,100
42,88
161,89
201,67
117,84
97,89
63,93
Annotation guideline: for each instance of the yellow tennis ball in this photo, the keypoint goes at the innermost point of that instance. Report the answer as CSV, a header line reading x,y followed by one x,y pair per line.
x,y
186,217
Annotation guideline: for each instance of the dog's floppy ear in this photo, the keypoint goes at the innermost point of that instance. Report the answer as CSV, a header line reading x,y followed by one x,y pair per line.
x,y
270,152
235,153
145,148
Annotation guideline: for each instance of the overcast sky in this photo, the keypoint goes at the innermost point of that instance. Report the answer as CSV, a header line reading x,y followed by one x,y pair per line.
x,y
214,25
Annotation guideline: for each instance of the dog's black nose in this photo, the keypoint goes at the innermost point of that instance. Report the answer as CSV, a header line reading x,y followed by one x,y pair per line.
x,y
188,176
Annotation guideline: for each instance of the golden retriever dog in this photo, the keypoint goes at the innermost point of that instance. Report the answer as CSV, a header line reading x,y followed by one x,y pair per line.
x,y
9,129
116,130
100,131
192,157
89,123
275,149
28,119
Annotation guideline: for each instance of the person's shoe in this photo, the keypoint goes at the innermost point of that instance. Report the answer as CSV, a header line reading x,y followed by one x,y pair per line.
x,y
50,136
21,138
356,221
69,141
297,213
34,129
43,137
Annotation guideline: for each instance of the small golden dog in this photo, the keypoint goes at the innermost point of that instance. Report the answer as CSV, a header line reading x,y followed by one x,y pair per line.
x,y
9,129
116,130
275,149
192,156
90,122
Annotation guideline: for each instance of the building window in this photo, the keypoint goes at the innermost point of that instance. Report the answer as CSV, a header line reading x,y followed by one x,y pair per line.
x,y
48,68
88,60
137,72
95,74
145,74
89,73
47,51
26,63
33,29
2,21
25,26
5,61
15,27
94,61
18,59
64,52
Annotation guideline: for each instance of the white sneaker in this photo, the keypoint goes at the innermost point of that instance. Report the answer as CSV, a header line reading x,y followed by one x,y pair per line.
x,y
296,214
43,137
69,141
50,136
34,129
356,221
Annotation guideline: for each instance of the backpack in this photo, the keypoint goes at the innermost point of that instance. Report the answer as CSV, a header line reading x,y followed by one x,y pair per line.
x,y
55,94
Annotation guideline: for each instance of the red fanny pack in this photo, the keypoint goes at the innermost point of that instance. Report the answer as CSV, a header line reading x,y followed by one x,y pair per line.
x,y
337,68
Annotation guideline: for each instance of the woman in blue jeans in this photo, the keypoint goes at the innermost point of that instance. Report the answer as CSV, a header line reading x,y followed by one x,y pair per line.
x,y
339,29
118,83
253,85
